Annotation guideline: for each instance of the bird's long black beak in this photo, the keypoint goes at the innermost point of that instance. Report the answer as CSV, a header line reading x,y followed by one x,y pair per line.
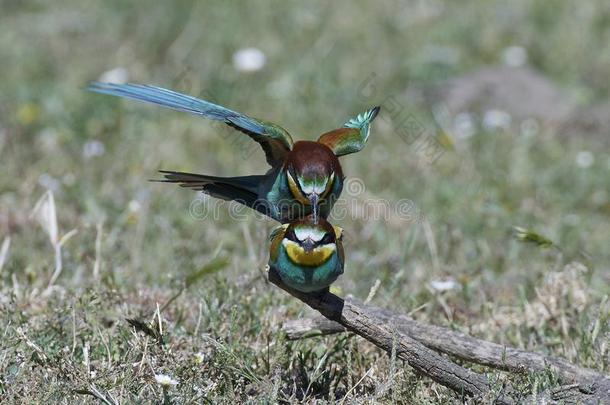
x,y
313,200
308,245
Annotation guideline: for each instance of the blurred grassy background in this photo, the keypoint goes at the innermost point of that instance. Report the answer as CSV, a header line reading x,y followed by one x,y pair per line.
x,y
96,154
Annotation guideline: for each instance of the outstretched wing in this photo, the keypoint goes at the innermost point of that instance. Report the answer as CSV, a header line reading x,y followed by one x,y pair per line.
x,y
352,137
275,140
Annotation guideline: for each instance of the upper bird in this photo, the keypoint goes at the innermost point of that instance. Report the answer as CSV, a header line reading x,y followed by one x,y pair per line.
x,y
305,176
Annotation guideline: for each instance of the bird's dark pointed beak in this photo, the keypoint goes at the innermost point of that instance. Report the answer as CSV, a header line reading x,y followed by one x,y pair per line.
x,y
308,245
313,200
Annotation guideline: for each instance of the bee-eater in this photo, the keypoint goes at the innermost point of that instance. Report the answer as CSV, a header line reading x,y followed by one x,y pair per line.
x,y
307,255
305,176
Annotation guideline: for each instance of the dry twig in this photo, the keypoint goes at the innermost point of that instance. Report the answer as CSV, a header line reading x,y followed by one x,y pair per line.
x,y
418,343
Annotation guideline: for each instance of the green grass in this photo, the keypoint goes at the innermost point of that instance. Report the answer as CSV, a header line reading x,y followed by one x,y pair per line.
x,y
221,335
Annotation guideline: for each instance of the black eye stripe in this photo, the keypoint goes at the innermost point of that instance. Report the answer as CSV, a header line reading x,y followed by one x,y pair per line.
x,y
296,179
290,235
328,238
299,185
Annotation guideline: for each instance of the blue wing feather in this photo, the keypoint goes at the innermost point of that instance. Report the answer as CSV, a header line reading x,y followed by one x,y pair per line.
x,y
275,141
167,98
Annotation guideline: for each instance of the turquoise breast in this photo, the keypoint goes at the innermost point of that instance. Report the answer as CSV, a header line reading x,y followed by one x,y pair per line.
x,y
307,278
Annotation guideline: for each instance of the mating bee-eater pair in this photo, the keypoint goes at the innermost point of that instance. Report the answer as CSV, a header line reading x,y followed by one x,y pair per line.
x,y
300,189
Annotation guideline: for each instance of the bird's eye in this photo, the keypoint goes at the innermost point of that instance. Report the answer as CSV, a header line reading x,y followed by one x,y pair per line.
x,y
293,173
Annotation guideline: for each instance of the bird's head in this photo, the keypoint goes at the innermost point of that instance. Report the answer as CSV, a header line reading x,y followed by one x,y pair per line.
x,y
311,244
312,169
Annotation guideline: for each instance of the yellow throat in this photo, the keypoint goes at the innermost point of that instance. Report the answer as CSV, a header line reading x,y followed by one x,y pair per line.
x,y
316,257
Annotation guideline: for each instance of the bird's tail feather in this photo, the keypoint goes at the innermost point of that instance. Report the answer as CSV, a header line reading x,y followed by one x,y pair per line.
x,y
242,189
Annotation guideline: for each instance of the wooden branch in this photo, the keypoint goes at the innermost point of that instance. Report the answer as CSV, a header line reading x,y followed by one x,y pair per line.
x,y
304,328
459,345
583,385
359,319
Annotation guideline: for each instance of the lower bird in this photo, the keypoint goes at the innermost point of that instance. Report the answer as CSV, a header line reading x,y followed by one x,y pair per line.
x,y
307,255
305,176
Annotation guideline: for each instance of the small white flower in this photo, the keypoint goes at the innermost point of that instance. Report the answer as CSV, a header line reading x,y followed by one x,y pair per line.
x,y
514,56
49,182
494,119
134,206
118,75
444,285
199,357
463,126
165,380
585,159
93,148
249,60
